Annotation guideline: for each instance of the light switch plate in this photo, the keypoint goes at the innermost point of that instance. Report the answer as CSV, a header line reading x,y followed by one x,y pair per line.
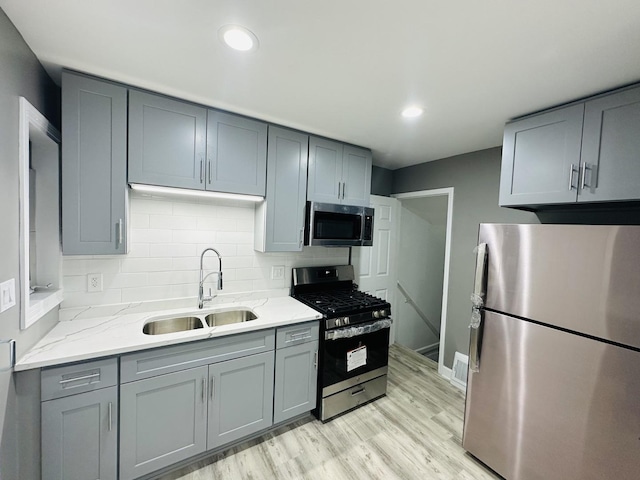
x,y
94,282
7,294
277,272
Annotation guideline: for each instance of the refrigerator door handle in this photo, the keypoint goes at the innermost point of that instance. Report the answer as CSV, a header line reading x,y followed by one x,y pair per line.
x,y
477,298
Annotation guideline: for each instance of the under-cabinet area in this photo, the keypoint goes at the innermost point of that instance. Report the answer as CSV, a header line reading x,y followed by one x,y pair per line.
x,y
144,411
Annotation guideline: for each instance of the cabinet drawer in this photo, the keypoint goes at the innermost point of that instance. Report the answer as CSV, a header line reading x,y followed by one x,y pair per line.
x,y
79,378
297,334
150,363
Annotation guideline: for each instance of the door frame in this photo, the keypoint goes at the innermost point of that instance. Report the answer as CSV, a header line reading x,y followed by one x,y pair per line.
x,y
448,191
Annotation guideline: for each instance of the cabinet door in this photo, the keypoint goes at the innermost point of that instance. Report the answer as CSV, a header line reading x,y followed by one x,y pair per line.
x,y
79,436
94,166
540,158
241,398
163,420
611,148
167,141
296,379
282,212
356,176
236,154
325,171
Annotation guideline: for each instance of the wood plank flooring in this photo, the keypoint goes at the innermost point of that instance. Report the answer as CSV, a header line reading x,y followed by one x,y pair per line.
x,y
412,433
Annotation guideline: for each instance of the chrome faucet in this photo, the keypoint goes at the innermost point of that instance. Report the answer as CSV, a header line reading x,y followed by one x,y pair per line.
x,y
201,297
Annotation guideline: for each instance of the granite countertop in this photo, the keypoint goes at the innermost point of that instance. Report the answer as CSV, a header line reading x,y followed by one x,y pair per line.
x,y
89,338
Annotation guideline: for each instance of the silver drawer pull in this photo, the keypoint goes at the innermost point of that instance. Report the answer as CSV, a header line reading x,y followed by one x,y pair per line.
x,y
299,336
357,392
75,379
110,415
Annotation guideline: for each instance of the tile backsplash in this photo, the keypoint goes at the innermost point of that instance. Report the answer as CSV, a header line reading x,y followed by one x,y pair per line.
x,y
166,238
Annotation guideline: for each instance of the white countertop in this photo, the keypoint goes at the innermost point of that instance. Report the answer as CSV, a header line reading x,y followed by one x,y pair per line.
x,y
89,338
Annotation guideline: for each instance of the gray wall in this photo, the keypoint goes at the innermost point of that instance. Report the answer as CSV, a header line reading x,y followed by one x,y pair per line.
x,y
475,178
20,75
381,181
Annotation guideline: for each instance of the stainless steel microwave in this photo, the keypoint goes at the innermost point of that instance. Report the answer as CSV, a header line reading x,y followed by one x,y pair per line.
x,y
333,225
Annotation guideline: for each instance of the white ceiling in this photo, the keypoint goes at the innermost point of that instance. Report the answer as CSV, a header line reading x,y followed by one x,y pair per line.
x,y
346,68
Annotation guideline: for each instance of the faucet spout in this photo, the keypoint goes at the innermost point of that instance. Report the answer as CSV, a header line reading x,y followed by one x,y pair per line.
x,y
201,297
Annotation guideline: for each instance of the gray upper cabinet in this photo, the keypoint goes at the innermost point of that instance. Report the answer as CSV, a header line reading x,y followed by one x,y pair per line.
x,y
280,218
94,166
167,141
296,379
540,158
610,168
163,420
79,436
240,398
338,173
236,154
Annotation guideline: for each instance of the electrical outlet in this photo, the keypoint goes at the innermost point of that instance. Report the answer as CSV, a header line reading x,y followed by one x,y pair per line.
x,y
277,272
7,294
94,282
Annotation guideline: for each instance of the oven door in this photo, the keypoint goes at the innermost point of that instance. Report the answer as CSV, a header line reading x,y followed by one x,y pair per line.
x,y
346,356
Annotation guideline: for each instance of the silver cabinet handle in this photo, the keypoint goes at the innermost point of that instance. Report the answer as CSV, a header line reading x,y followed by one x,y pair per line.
x,y
315,360
583,175
75,379
209,162
294,337
573,170
212,387
344,189
339,185
201,162
358,392
300,238
204,387
119,233
110,416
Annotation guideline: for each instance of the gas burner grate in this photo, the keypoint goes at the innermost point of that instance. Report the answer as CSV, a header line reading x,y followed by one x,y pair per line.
x,y
342,301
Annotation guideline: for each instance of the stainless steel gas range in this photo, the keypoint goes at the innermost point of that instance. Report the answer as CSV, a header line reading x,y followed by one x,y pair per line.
x,y
354,338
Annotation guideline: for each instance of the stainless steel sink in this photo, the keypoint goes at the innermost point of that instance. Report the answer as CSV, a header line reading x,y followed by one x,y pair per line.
x,y
229,317
172,325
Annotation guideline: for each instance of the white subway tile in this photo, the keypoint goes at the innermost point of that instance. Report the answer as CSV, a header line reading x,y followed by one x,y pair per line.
x,y
138,250
148,205
246,225
194,236
186,263
237,262
234,286
248,273
151,235
164,250
172,222
74,283
80,299
142,294
235,237
139,220
145,265
174,277
125,280
217,224
227,250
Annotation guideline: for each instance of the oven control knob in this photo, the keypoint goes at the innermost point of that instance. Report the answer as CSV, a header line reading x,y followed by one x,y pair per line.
x,y
383,313
338,322
376,314
345,320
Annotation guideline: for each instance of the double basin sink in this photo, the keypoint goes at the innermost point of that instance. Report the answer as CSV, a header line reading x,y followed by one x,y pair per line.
x,y
195,321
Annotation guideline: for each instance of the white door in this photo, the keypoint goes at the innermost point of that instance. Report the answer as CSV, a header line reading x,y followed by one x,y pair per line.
x,y
375,266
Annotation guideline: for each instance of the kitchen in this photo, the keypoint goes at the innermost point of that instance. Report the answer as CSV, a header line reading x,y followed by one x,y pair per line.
x,y
475,177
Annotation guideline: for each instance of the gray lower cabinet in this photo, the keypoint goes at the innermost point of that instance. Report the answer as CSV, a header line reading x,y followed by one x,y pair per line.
x,y
94,166
541,157
296,377
280,218
79,436
236,154
167,141
611,148
163,420
338,173
240,398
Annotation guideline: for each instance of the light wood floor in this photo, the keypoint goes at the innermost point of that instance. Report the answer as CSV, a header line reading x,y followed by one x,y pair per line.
x,y
412,433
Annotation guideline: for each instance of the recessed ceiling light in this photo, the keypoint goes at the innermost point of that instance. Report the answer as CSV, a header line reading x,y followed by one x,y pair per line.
x,y
238,38
412,112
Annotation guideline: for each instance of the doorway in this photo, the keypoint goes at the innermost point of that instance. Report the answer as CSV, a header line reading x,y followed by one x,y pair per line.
x,y
423,249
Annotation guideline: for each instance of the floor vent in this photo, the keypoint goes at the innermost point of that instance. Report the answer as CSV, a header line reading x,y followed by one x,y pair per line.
x,y
459,371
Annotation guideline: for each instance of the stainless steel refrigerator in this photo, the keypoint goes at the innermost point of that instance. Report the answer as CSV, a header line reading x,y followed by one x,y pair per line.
x,y
554,361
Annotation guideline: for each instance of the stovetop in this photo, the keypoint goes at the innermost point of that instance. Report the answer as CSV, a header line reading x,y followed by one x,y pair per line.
x,y
332,303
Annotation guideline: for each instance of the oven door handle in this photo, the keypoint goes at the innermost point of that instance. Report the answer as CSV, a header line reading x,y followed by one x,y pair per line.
x,y
357,330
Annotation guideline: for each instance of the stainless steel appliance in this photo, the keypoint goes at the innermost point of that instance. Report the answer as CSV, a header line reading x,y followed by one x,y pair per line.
x,y
354,338
554,377
333,225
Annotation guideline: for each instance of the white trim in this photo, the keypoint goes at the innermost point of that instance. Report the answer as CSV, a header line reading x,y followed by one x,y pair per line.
x,y
33,307
428,348
448,191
